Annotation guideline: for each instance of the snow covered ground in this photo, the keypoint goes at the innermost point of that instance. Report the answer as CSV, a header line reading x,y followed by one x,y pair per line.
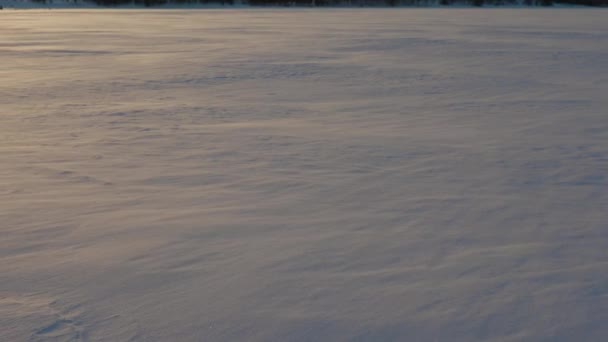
x,y
304,175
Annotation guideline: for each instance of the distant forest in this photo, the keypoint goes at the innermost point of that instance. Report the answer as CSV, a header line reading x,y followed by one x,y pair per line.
x,y
338,3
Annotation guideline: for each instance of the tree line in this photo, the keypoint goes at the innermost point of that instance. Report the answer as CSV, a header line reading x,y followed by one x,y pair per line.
x,y
336,3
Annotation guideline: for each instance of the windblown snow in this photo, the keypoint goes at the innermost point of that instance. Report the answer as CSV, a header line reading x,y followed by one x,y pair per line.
x,y
304,175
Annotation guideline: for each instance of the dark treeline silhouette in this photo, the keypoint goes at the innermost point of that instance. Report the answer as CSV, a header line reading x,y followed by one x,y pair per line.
x,y
327,3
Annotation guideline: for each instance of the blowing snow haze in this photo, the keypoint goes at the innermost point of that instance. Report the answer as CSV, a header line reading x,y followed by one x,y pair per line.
x,y
304,175
296,3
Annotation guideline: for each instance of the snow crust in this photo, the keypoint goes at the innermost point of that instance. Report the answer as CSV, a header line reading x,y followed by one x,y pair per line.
x,y
304,175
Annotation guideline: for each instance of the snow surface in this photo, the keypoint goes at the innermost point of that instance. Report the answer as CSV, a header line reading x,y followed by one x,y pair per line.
x,y
304,175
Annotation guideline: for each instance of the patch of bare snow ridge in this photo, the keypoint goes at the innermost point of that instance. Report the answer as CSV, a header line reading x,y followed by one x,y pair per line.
x,y
304,175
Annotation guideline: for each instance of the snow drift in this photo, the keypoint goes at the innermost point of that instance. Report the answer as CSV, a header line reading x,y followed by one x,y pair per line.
x,y
304,175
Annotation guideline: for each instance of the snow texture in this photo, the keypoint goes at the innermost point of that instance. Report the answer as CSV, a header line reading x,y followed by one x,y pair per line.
x,y
304,175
